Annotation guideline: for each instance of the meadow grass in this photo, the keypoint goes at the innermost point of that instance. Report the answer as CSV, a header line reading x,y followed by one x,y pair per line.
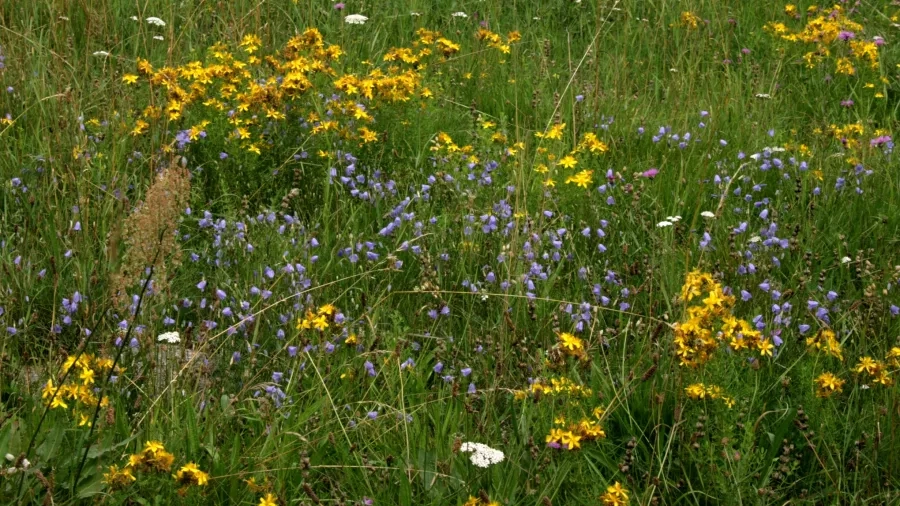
x,y
254,253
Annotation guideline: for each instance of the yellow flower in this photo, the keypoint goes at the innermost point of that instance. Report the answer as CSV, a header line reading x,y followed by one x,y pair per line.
x,y
828,384
268,500
570,344
765,347
129,78
568,162
582,179
367,135
867,365
616,495
151,447
571,440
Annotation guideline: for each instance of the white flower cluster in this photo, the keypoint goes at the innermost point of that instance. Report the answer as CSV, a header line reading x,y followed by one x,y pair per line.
x,y
776,149
708,214
155,21
169,337
356,19
25,464
669,221
482,454
460,14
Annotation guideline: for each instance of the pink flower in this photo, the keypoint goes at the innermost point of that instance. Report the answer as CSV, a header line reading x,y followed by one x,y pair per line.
x,y
339,6
650,173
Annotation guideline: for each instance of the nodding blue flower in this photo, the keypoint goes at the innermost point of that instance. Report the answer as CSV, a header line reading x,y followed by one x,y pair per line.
x,y
329,347
894,310
764,286
370,368
803,328
466,371
372,415
277,377
220,294
745,295
438,368
292,351
11,331
118,341
831,295
134,344
811,305
471,388
236,357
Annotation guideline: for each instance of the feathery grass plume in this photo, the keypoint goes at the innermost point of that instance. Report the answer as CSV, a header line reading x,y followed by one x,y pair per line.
x,y
150,233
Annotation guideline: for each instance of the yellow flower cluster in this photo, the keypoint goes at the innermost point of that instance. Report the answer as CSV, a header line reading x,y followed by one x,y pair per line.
x,y
699,391
571,436
823,29
475,501
79,392
712,323
589,143
690,20
319,320
893,357
875,370
828,384
615,495
190,474
557,386
248,90
826,342
153,458
851,135
496,41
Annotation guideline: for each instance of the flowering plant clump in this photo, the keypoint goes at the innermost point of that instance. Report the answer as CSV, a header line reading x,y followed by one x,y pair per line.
x,y
699,391
154,459
78,392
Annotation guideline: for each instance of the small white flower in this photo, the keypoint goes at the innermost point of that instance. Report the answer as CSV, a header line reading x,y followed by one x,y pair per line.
x,y
11,470
169,337
134,18
355,19
158,37
673,70
482,454
25,464
155,21
10,457
708,214
864,387
460,14
674,219
101,53
664,224
414,14
846,260
763,95
63,18
755,239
